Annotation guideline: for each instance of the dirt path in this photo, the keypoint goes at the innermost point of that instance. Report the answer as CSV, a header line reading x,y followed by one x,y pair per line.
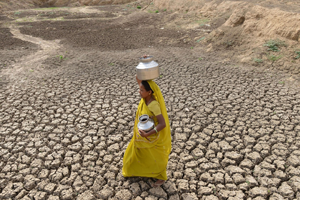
x,y
235,128
34,61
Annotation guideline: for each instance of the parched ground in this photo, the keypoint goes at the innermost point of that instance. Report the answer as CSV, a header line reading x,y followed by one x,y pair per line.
x,y
68,98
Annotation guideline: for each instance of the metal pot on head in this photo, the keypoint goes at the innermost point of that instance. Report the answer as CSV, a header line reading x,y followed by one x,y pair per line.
x,y
147,69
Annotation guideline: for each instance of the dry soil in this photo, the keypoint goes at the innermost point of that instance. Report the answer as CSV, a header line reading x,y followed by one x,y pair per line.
x,y
68,98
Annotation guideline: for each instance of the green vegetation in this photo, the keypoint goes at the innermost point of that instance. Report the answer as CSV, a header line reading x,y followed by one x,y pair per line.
x,y
258,60
202,22
26,19
229,43
61,57
273,58
273,45
298,54
111,64
156,11
139,7
202,38
214,189
50,8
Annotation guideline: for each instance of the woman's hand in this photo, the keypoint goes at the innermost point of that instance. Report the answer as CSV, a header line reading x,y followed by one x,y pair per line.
x,y
143,133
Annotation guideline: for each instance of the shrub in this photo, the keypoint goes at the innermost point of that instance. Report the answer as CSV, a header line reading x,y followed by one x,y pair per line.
x,y
258,60
273,45
298,54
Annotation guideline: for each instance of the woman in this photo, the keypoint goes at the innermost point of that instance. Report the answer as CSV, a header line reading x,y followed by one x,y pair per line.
x,y
147,153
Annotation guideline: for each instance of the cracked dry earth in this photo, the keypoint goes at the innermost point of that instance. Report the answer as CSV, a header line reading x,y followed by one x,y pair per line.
x,y
64,129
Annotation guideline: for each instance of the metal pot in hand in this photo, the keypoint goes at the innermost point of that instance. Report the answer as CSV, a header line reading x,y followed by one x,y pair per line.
x,y
147,69
145,123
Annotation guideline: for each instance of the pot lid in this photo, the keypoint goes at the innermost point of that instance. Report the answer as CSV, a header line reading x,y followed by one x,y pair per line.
x,y
146,65
146,59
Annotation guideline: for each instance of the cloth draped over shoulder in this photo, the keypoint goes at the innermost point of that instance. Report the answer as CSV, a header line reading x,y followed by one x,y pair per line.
x,y
149,157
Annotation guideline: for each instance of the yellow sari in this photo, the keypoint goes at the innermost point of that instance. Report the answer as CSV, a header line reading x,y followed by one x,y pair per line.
x,y
148,157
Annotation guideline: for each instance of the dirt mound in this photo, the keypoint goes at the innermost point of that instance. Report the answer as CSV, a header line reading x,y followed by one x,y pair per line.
x,y
260,21
242,29
195,5
256,18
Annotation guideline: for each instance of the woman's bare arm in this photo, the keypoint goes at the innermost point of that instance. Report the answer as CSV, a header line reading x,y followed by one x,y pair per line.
x,y
161,122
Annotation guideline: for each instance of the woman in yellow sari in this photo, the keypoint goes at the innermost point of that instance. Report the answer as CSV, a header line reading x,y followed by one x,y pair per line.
x,y
147,153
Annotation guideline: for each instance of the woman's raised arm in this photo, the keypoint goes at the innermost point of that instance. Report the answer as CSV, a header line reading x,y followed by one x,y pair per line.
x,y
138,80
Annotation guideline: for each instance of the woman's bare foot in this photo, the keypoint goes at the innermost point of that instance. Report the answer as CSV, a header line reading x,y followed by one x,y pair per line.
x,y
158,183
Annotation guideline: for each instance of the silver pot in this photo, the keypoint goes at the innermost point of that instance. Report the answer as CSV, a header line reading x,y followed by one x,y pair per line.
x,y
145,123
147,69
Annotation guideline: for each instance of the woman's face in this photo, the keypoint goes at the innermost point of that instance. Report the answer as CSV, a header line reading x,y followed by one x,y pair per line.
x,y
143,92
